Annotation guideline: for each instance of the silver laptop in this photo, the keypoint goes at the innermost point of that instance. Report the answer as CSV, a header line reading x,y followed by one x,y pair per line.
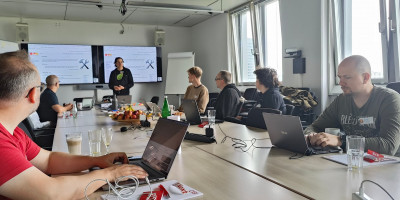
x,y
286,132
152,107
124,99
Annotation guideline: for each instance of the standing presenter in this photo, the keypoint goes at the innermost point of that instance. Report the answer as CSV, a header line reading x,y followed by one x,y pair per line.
x,y
120,78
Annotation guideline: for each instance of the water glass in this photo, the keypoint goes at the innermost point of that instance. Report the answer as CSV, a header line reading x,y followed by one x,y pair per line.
x,y
94,142
107,135
211,116
355,151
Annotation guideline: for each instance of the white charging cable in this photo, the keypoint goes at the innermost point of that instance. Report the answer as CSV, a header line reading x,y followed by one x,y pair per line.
x,y
123,192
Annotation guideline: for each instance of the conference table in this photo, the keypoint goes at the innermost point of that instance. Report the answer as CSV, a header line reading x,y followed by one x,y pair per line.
x,y
221,171
215,178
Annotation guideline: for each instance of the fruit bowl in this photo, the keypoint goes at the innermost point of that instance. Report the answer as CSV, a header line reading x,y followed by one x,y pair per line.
x,y
128,121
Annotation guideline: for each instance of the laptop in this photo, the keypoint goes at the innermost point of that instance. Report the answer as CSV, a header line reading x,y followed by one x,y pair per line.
x,y
286,132
150,106
192,112
124,99
160,152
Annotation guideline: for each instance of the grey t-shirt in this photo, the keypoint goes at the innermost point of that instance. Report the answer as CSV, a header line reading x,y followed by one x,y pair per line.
x,y
378,120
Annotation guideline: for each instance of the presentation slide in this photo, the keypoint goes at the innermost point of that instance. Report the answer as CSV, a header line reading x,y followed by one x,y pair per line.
x,y
71,63
142,61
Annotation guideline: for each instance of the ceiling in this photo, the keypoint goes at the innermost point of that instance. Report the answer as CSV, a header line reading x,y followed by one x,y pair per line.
x,y
88,10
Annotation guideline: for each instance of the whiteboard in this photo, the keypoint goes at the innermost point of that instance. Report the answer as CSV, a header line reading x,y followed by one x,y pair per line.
x,y
6,46
177,77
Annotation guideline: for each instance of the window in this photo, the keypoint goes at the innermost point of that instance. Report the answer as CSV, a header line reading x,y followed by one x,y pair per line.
x,y
268,30
244,44
270,36
361,27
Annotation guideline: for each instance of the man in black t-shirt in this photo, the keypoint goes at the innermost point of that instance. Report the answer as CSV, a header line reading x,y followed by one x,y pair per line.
x,y
49,106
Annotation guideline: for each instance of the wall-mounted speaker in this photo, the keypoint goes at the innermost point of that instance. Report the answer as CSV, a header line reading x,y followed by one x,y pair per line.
x,y
159,38
22,32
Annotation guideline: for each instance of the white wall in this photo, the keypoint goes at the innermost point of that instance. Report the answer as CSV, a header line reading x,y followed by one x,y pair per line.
x,y
210,43
301,28
178,39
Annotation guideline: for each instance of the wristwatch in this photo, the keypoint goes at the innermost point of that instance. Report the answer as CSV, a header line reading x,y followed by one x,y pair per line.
x,y
343,140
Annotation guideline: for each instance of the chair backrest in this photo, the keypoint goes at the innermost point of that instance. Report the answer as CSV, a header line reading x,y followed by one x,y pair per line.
x,y
25,129
239,108
394,86
155,99
289,109
250,94
255,118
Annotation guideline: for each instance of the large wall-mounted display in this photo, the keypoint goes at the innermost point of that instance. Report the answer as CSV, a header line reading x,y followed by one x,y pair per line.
x,y
142,61
90,64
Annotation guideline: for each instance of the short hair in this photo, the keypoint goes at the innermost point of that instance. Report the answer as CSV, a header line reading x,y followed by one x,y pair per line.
x,y
51,80
17,74
117,58
360,63
196,71
268,77
226,76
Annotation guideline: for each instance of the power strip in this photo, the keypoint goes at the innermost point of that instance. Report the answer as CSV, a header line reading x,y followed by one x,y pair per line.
x,y
357,196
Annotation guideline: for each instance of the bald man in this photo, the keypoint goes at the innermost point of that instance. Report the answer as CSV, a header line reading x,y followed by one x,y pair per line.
x,y
362,109
49,106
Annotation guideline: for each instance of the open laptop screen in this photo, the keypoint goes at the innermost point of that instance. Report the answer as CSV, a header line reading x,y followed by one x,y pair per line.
x,y
164,143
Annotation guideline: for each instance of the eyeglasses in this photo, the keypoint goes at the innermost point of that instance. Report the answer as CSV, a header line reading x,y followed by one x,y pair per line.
x,y
218,79
40,87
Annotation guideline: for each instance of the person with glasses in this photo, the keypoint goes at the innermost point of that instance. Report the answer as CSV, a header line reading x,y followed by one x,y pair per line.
x,y
121,79
25,168
229,98
49,107
196,91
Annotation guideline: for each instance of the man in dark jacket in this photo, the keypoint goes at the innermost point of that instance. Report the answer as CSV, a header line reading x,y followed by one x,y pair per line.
x,y
228,99
120,78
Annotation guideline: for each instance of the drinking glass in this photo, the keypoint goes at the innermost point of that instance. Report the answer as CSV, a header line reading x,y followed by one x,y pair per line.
x,y
355,151
211,116
94,142
107,135
74,141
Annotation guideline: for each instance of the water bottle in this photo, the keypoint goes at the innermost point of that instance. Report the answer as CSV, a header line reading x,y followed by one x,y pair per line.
x,y
114,105
74,110
165,110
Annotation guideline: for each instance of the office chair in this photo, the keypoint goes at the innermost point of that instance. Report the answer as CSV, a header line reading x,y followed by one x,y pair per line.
x,y
23,127
289,109
394,86
256,119
232,118
251,96
155,99
43,137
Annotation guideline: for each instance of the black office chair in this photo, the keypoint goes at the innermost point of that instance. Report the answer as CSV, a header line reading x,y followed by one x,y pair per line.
x,y
251,97
155,99
289,109
23,127
232,118
394,86
43,137
256,119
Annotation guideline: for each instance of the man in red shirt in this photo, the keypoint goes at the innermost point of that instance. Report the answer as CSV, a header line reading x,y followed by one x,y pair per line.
x,y
24,166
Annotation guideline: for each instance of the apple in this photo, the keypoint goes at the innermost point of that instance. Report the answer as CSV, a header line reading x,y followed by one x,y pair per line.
x,y
134,116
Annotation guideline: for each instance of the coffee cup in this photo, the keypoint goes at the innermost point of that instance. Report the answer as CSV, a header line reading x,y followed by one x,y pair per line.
x,y
74,142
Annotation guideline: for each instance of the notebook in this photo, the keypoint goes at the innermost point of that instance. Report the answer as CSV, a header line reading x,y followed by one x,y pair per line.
x,y
161,150
286,132
124,99
192,112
